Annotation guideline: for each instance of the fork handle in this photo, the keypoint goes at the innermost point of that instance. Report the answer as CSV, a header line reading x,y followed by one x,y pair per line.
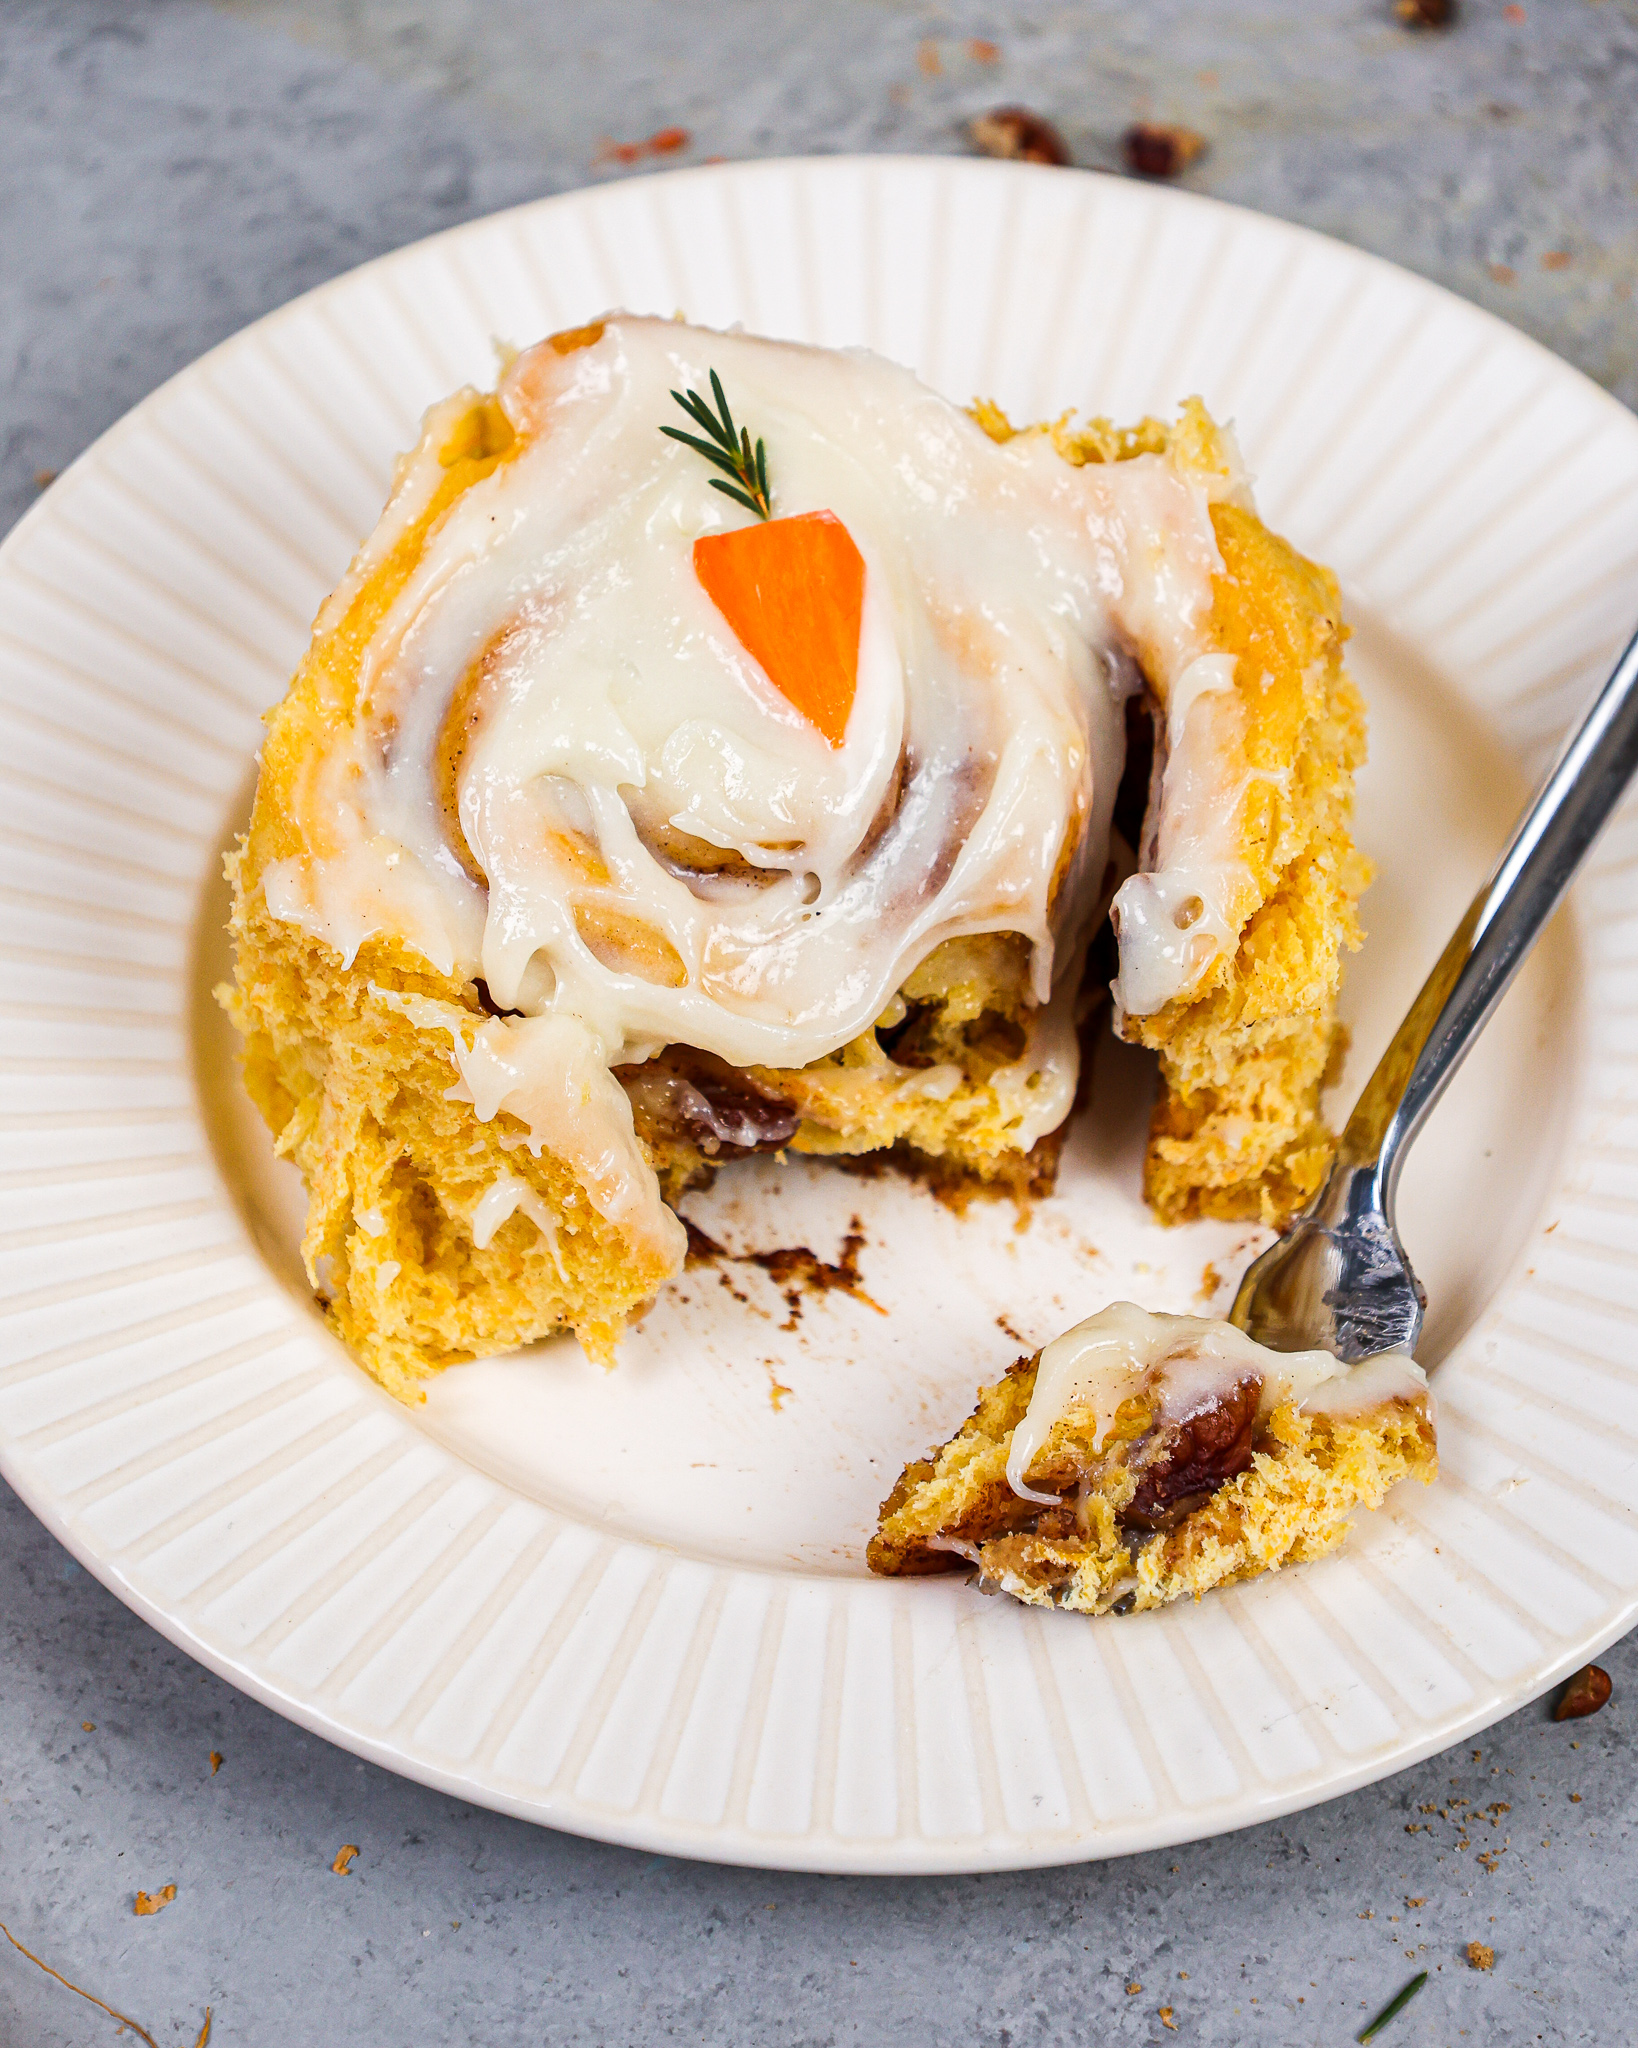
x,y
1500,926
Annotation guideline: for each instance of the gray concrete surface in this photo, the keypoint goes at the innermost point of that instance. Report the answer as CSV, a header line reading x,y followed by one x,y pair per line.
x,y
169,171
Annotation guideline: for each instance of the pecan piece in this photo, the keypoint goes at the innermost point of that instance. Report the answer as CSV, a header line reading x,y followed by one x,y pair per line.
x,y
1185,1461
1156,149
1015,132
1586,1692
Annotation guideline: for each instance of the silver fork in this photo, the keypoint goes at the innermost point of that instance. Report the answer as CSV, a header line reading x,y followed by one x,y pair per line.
x,y
1339,1280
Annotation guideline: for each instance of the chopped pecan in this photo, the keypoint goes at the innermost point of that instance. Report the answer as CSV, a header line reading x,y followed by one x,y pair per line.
x,y
1015,132
1185,1461
1586,1692
1157,149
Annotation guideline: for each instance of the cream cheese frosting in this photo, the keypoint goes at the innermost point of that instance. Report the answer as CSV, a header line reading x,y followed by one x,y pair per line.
x,y
1180,1365
1171,919
567,777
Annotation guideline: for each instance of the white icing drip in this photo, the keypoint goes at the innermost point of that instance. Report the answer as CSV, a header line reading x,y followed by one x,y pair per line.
x,y
510,1196
553,1076
1173,921
1207,672
1037,1091
605,699
414,480
1183,1363
368,888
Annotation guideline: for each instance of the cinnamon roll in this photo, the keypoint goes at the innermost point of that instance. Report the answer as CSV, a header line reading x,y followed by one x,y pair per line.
x,y
649,797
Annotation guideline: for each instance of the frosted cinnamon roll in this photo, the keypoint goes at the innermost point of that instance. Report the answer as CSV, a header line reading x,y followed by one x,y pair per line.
x,y
716,749
1140,1458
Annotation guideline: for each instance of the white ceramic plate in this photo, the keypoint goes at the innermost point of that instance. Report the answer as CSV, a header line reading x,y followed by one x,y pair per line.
x,y
635,1605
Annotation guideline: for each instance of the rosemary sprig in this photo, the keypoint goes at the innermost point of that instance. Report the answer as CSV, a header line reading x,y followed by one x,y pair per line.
x,y
729,448
1393,2008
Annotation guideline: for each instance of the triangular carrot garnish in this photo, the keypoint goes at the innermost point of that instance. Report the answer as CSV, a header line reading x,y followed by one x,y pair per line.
x,y
793,591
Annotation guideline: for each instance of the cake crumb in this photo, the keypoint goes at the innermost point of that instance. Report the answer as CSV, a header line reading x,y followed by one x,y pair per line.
x,y
153,1902
1480,1955
215,1761
1166,2019
663,142
928,61
1555,259
1133,1989
90,1727
344,1858
982,51
1425,13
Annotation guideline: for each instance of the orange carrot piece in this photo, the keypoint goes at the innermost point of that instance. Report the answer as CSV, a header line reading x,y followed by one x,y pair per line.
x,y
793,591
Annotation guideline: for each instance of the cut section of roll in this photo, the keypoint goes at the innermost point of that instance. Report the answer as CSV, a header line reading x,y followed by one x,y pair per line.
x,y
1140,1458
609,830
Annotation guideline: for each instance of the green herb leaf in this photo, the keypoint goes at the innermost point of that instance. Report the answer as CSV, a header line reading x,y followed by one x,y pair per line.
x,y
733,491
732,450
704,448
697,409
1393,2008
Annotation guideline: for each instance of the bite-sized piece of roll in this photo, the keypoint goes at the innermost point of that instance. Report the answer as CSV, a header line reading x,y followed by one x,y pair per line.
x,y
1142,1457
659,789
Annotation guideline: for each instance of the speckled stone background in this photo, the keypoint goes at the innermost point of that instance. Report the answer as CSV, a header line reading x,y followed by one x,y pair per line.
x,y
169,171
